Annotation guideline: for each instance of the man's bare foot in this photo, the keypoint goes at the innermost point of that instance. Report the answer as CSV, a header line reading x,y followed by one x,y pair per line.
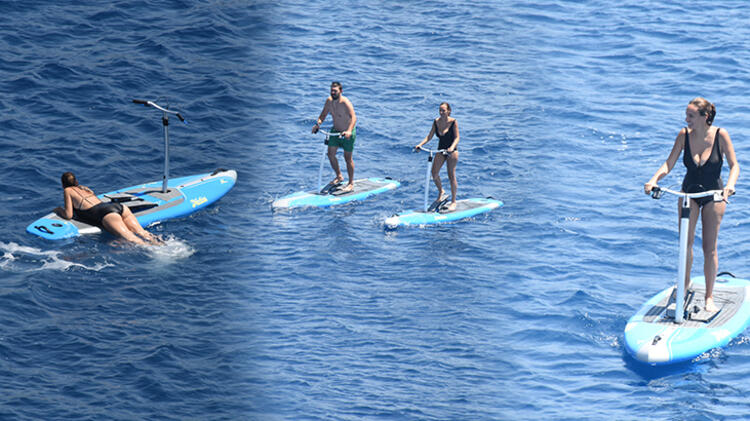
x,y
710,306
348,187
452,206
337,180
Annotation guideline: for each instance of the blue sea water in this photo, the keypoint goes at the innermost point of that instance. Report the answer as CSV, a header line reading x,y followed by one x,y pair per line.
x,y
565,108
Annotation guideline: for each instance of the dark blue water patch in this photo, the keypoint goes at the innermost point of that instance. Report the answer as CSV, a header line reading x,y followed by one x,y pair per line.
x,y
20,84
112,16
54,71
533,19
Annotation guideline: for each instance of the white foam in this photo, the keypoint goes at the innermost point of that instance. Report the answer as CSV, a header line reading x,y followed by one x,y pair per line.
x,y
172,250
12,247
6,259
24,258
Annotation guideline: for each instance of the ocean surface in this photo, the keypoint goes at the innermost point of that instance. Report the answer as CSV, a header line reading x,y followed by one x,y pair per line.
x,y
565,109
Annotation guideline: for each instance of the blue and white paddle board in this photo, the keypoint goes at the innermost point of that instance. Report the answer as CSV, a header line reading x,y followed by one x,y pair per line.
x,y
652,336
465,208
363,189
184,196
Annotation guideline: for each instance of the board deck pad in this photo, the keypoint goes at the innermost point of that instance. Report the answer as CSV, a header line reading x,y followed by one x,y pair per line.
x,y
728,300
464,209
333,195
653,337
148,203
461,206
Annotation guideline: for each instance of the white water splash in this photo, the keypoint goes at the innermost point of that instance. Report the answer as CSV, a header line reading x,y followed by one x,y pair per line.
x,y
172,250
23,258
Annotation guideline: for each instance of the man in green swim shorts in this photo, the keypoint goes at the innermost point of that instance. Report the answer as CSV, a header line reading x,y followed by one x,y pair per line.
x,y
344,122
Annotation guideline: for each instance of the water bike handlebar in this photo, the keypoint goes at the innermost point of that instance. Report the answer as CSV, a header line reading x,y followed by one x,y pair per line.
x,y
327,134
158,107
657,192
442,151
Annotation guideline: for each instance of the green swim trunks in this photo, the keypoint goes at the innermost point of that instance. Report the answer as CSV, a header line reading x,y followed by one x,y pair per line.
x,y
341,141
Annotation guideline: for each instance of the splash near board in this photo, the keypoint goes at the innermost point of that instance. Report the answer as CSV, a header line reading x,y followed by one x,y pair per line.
x,y
675,325
438,211
150,202
333,195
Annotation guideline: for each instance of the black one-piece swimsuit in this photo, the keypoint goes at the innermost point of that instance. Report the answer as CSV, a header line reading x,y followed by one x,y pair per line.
x,y
95,214
447,139
704,177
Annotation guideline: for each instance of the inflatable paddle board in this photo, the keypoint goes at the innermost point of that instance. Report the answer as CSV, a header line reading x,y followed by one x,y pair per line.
x,y
148,203
332,195
652,336
438,213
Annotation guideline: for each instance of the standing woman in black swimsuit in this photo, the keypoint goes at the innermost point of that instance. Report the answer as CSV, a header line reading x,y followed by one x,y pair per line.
x,y
446,129
704,146
82,203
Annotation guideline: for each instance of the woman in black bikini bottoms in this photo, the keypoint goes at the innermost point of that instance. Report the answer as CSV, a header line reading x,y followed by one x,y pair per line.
x,y
446,129
82,203
703,145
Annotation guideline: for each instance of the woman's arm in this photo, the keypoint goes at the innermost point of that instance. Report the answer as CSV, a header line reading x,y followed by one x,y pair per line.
x,y
666,167
455,141
734,167
67,211
428,137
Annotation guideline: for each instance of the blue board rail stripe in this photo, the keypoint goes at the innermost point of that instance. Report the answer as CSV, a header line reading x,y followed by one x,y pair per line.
x,y
418,217
315,199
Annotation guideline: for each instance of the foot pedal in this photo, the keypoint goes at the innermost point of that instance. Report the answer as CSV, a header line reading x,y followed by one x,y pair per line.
x,y
330,188
437,205
672,304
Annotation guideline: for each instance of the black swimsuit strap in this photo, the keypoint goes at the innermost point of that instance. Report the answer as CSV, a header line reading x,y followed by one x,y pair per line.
x,y
84,189
717,142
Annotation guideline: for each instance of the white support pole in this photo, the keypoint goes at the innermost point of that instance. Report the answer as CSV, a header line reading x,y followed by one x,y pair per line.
x,y
427,182
320,170
682,264
165,122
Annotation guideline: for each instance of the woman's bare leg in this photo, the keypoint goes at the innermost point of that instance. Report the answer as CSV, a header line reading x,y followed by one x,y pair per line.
x,y
694,212
712,214
114,223
452,162
131,222
437,163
